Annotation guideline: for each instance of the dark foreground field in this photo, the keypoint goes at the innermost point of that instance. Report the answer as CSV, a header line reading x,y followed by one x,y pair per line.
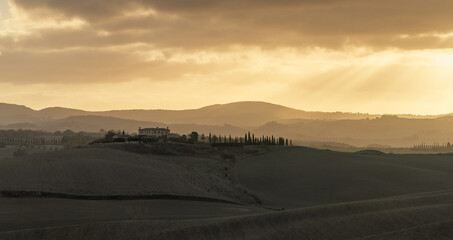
x,y
424,216
237,193
27,213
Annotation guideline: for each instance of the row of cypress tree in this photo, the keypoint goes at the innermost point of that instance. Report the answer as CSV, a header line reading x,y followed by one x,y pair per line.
x,y
248,139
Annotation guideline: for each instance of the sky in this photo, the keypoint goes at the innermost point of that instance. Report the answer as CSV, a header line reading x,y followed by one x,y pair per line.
x,y
375,56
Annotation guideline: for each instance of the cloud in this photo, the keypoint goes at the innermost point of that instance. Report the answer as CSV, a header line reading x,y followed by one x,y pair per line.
x,y
202,23
82,66
298,49
98,9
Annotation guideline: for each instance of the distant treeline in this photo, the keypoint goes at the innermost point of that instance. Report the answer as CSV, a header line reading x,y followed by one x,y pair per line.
x,y
28,134
433,147
29,137
30,141
66,138
248,139
194,137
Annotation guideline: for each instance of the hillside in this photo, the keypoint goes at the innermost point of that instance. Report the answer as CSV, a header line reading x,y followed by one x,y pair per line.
x,y
396,132
281,177
95,123
325,194
302,177
101,171
422,216
242,114
92,123
12,113
385,130
305,128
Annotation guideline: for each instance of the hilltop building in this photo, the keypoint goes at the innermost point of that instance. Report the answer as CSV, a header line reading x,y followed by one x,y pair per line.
x,y
154,132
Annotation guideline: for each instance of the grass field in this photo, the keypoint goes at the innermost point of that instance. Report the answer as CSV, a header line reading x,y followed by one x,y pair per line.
x,y
324,194
27,213
423,216
301,177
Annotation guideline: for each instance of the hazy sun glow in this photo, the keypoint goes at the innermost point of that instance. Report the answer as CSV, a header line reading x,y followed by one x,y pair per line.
x,y
17,23
140,56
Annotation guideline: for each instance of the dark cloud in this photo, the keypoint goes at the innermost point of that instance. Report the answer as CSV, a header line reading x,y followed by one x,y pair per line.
x,y
97,9
83,54
204,23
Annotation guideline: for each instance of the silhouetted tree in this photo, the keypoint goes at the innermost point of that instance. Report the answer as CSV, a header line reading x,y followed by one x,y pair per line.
x,y
214,139
68,133
109,136
193,137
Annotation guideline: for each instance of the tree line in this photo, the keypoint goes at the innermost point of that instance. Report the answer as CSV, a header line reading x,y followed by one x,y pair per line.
x,y
248,139
432,147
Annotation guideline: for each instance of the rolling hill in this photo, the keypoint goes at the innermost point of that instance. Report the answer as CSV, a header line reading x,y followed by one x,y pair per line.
x,y
242,114
261,118
98,171
303,177
386,130
325,194
423,216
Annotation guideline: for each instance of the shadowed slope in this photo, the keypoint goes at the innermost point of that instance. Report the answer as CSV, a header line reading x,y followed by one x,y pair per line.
x,y
108,171
345,195
27,213
301,177
355,220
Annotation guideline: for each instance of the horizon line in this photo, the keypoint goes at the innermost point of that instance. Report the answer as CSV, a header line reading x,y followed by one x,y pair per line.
x,y
228,103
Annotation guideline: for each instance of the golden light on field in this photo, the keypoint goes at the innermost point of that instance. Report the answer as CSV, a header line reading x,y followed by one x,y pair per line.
x,y
100,55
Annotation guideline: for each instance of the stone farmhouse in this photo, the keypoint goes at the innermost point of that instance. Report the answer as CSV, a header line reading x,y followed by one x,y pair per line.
x,y
154,132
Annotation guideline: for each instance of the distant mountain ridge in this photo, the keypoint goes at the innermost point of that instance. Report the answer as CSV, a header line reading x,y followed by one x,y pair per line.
x,y
238,118
244,114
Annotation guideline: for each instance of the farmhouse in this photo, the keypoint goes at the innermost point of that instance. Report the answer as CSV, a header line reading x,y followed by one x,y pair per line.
x,y
154,132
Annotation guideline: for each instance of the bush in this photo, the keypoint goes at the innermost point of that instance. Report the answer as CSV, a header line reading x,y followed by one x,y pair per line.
x,y
119,140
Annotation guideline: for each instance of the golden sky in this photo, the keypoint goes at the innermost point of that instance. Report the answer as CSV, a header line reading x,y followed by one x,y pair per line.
x,y
377,56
